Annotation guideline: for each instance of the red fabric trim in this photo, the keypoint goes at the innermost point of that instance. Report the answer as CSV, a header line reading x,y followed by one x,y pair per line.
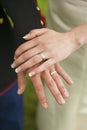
x,y
9,87
43,19
42,16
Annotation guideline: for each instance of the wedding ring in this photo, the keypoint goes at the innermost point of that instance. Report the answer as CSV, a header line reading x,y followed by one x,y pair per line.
x,y
53,72
42,56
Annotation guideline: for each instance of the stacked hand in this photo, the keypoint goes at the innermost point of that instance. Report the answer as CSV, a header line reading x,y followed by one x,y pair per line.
x,y
52,77
44,46
37,57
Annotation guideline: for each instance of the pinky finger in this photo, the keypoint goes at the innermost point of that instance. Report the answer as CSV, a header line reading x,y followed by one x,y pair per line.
x,y
21,82
64,75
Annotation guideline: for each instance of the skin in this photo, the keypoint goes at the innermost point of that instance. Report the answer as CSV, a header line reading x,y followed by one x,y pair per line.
x,y
27,59
54,45
53,82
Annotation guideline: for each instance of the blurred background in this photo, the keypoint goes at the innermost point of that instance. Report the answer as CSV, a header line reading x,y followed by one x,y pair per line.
x,y
30,98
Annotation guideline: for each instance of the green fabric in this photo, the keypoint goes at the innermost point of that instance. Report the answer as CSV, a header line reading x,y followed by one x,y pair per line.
x,y
10,19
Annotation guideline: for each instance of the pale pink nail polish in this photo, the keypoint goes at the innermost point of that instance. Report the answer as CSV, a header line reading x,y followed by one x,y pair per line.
x,y
45,105
26,36
13,65
17,70
31,74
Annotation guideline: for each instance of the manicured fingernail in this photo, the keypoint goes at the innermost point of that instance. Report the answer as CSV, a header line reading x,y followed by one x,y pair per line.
x,y
17,70
20,91
26,36
70,81
61,101
66,95
13,65
45,105
31,74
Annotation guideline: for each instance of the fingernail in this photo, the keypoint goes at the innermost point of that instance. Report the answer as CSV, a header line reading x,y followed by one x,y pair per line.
x,y
26,36
13,66
45,105
31,74
20,91
17,70
71,81
66,95
61,101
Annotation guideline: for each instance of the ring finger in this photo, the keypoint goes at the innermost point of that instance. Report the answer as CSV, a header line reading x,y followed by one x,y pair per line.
x,y
53,87
59,83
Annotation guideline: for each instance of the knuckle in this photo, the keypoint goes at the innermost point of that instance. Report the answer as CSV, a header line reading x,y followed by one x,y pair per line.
x,y
24,56
38,88
50,82
42,44
17,62
45,46
20,48
34,60
58,94
63,89
37,70
43,99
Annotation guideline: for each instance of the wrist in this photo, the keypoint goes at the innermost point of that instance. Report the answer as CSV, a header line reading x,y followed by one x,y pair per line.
x,y
75,39
80,35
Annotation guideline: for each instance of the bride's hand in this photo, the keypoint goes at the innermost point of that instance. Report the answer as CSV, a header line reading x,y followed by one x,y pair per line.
x,y
44,46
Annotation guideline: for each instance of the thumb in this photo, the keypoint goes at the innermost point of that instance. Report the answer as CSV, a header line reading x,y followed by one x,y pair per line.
x,y
34,33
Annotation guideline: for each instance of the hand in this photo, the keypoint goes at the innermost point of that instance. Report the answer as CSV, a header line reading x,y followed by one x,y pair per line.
x,y
53,80
21,82
47,47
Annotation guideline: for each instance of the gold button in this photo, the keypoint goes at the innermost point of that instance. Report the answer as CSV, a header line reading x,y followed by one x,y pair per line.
x,y
38,8
42,23
1,20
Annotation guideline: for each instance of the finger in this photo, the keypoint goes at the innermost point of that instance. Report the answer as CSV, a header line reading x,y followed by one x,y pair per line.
x,y
24,47
65,76
42,67
21,82
39,89
37,59
59,84
26,56
34,33
53,88
28,64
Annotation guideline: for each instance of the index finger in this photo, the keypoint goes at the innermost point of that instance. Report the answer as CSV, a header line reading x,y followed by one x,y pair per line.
x,y
39,89
24,47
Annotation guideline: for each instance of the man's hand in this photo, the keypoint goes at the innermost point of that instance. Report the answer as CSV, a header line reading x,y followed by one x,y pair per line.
x,y
52,78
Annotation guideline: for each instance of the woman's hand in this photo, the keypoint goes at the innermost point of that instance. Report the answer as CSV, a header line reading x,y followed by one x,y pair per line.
x,y
52,77
47,47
